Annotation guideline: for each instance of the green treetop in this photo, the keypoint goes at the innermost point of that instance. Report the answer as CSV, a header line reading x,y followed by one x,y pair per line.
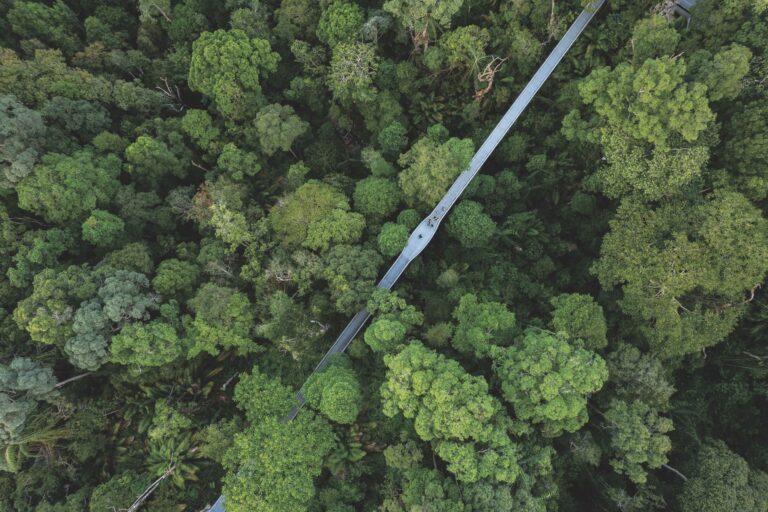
x,y
69,119
149,160
175,278
470,225
296,18
430,166
340,22
167,422
237,163
126,297
87,351
228,66
648,120
652,103
351,273
385,335
223,319
638,439
102,228
548,381
335,392
387,304
22,383
120,490
230,226
392,138
639,376
722,72
35,250
277,126
452,409
56,25
421,486
685,268
88,348
261,396
747,151
290,326
722,481
392,239
580,317
65,188
422,17
47,313
376,198
146,345
315,216
481,325
198,124
353,68
23,377
652,38
273,465
21,135
464,47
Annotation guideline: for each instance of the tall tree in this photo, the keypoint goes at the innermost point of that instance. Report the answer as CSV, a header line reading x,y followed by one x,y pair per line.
x,y
548,381
649,121
273,464
65,188
21,136
723,481
422,18
452,409
228,66
686,269
277,126
431,165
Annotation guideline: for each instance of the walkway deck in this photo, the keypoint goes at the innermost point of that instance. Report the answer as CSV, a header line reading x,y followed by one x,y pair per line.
x,y
425,231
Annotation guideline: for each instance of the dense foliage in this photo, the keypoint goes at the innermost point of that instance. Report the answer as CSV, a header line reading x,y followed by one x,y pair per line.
x,y
196,195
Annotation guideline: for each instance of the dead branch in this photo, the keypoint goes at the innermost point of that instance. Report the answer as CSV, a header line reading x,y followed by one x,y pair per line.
x,y
161,12
678,473
487,75
72,379
172,93
199,166
149,490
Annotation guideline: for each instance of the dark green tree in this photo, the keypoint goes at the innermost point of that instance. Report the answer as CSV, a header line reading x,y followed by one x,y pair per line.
x,y
723,481
102,228
228,66
470,225
580,317
223,320
65,188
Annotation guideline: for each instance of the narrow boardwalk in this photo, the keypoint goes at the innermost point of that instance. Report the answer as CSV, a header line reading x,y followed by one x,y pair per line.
x,y
425,231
